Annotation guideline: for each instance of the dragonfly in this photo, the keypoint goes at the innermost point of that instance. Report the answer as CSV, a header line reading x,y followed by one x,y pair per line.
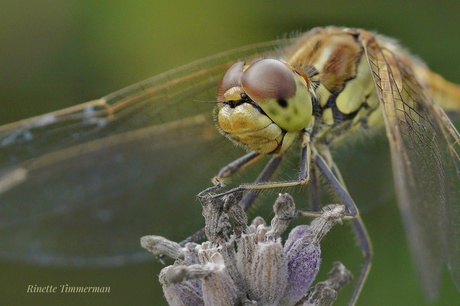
x,y
79,186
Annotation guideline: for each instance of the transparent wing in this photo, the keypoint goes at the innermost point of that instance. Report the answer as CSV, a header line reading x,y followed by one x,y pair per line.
x,y
80,186
425,150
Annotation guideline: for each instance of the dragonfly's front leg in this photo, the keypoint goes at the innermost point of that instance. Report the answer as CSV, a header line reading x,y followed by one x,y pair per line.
x,y
229,170
262,181
236,166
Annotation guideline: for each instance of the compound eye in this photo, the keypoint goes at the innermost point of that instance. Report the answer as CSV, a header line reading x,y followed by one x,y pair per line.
x,y
280,92
269,79
231,79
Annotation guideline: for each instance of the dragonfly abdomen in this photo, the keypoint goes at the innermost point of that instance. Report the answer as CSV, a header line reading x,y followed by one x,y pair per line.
x,y
446,93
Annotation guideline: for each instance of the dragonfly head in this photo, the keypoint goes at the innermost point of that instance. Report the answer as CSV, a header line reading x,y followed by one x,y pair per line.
x,y
263,104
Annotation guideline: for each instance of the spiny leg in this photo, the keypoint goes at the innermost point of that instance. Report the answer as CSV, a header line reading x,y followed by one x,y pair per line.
x,y
315,190
330,172
264,176
235,166
261,181
302,179
227,171
247,199
358,225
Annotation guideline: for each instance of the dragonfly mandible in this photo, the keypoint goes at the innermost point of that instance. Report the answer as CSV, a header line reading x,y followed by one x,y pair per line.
x,y
99,160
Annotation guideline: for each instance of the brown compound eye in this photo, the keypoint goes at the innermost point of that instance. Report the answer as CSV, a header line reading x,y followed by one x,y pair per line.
x,y
280,92
231,79
269,79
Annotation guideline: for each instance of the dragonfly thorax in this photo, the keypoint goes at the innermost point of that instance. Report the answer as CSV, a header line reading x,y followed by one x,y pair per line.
x,y
353,108
345,99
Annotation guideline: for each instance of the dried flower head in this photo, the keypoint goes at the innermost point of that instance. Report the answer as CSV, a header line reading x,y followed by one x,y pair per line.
x,y
249,265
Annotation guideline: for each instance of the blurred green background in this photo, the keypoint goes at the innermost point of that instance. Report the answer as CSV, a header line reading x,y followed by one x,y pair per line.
x,y
57,53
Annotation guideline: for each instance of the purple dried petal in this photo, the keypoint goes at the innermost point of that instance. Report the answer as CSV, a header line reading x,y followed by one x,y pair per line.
x,y
304,259
184,293
295,234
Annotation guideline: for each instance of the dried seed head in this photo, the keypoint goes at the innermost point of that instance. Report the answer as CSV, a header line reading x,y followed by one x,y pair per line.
x,y
218,288
325,293
271,272
284,209
160,246
183,293
251,266
221,214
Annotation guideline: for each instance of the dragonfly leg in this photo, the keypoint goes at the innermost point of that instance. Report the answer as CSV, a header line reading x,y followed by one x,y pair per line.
x,y
236,165
315,190
227,171
263,183
358,225
260,183
264,176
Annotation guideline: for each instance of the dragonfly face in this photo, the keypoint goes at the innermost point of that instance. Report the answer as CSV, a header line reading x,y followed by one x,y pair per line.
x,y
258,114
96,165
